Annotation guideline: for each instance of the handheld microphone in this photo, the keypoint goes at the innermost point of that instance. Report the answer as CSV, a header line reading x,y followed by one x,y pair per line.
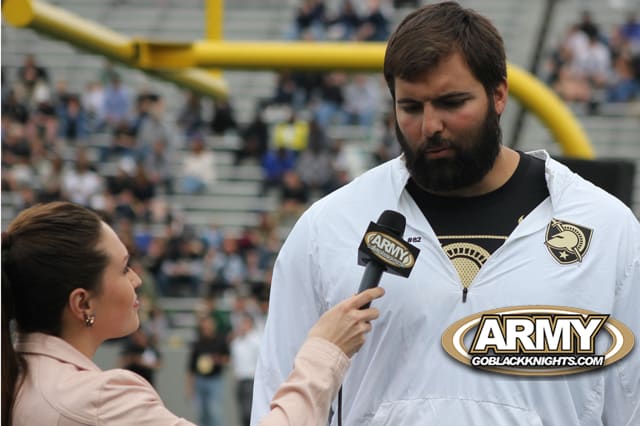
x,y
383,249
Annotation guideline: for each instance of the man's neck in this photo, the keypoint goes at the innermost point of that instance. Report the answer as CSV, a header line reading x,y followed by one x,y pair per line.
x,y
503,168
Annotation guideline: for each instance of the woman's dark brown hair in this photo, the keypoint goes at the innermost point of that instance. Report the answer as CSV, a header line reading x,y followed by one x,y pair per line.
x,y
47,251
433,32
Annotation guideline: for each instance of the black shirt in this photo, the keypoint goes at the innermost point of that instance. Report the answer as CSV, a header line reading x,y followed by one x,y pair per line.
x,y
470,229
206,354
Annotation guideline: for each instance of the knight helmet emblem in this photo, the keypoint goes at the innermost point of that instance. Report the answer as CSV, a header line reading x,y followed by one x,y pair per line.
x,y
567,242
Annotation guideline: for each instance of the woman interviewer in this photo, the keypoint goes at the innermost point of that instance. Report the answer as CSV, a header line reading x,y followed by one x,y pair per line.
x,y
67,283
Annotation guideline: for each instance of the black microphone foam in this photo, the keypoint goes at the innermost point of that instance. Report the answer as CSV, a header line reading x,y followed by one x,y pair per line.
x,y
394,221
390,224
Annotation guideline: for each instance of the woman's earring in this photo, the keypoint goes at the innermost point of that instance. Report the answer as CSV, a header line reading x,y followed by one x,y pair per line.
x,y
89,320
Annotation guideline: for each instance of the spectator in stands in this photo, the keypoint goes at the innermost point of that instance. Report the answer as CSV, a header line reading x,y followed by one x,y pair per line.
x,y
82,182
223,119
388,148
294,195
117,102
254,138
73,122
624,85
141,110
274,164
308,84
141,355
329,109
39,95
285,89
374,26
254,267
153,260
212,236
60,97
144,191
43,123
152,128
572,44
126,207
22,173
210,306
343,25
587,25
629,33
198,167
50,179
315,167
40,160
122,143
310,17
228,267
342,168
93,104
248,239
30,73
122,180
108,72
208,358
183,267
362,99
245,347
190,116
159,165
292,134
269,248
14,109
15,145
585,77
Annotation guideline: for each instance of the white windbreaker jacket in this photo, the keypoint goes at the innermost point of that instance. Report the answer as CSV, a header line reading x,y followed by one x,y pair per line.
x,y
402,375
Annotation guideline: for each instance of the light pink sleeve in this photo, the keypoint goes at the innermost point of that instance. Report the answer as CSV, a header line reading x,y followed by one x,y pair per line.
x,y
127,399
305,397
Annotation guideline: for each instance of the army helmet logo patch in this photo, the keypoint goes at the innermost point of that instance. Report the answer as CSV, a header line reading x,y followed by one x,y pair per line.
x,y
567,242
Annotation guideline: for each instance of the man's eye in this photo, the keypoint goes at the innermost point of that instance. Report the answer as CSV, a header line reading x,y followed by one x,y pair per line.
x,y
411,108
452,103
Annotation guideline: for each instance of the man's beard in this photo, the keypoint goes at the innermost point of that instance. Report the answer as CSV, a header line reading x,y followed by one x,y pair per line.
x,y
475,154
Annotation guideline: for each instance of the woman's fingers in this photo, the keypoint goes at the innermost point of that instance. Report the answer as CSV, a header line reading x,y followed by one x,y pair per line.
x,y
366,296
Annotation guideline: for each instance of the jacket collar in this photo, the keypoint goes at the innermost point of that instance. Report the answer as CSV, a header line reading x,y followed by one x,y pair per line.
x,y
558,176
53,347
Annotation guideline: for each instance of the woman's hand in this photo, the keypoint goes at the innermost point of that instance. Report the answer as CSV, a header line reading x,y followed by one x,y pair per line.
x,y
345,325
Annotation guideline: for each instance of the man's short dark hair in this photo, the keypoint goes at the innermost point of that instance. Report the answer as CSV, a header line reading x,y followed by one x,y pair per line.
x,y
433,32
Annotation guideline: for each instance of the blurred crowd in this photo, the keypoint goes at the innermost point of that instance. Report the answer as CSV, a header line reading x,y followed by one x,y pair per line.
x,y
593,66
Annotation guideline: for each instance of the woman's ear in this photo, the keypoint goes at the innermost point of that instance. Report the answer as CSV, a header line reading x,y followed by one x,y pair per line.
x,y
80,303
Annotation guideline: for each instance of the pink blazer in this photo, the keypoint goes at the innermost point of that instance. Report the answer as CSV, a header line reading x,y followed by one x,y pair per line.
x,y
65,388
305,397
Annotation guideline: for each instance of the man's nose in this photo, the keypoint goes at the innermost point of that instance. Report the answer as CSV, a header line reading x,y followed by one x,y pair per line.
x,y
432,123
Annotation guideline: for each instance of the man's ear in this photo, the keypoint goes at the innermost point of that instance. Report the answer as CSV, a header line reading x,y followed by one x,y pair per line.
x,y
80,303
500,96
